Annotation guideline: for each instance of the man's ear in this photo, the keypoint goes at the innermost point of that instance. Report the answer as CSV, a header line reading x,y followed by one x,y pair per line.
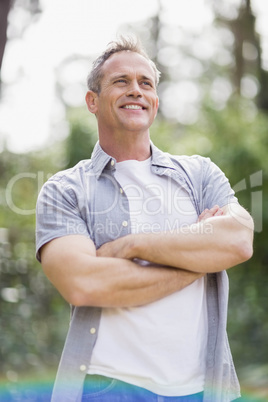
x,y
91,101
157,106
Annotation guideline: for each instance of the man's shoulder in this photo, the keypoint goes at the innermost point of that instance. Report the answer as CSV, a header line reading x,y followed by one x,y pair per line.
x,y
190,162
72,174
189,158
193,166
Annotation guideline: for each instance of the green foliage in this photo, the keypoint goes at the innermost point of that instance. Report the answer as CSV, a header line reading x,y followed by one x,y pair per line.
x,y
82,137
33,317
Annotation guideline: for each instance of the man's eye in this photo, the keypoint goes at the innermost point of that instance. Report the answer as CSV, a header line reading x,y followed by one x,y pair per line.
x,y
148,83
121,80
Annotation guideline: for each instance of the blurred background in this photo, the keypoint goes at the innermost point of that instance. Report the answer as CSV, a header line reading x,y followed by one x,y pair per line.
x,y
213,92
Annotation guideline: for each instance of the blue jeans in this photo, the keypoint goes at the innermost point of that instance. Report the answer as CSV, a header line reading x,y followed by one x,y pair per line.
x,y
98,388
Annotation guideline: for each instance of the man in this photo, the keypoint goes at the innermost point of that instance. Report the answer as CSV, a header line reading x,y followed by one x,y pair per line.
x,y
138,241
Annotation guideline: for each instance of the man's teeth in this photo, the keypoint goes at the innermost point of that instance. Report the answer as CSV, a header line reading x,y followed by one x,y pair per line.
x,y
132,107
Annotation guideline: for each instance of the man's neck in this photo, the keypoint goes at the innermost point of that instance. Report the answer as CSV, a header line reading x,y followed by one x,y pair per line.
x,y
134,149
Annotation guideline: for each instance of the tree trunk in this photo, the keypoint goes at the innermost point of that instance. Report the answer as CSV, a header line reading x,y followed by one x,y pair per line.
x,y
4,10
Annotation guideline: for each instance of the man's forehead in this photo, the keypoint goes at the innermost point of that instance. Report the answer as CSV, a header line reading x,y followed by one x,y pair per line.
x,y
125,62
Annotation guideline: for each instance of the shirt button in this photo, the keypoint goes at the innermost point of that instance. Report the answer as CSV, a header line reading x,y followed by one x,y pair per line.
x,y
112,162
92,330
124,223
83,367
121,190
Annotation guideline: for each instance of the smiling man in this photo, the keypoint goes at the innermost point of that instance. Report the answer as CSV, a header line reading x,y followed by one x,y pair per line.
x,y
125,105
138,242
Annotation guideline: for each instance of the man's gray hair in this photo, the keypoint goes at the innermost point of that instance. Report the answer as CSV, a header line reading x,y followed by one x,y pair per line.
x,y
122,44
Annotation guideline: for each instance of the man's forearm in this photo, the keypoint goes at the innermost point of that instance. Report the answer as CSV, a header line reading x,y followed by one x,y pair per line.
x,y
135,285
210,245
114,282
190,250
83,279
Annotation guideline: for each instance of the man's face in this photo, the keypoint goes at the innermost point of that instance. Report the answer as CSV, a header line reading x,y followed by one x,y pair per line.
x,y
128,100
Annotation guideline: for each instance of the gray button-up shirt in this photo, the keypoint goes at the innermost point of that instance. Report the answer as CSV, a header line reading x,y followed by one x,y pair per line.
x,y
87,200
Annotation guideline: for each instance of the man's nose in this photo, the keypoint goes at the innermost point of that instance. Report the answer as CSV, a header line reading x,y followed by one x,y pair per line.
x,y
134,90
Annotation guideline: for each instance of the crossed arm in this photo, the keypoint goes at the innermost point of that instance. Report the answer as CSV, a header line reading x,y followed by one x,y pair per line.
x,y
111,277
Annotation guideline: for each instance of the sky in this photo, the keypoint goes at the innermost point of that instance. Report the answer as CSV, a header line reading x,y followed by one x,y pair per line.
x,y
30,107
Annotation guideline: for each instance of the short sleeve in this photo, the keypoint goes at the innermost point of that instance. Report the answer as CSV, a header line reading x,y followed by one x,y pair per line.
x,y
58,214
215,187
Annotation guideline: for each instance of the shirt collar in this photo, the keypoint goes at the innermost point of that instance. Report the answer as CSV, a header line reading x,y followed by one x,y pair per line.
x,y
101,160
160,158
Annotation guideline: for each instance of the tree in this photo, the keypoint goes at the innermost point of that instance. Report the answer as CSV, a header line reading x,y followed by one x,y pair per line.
x,y
32,7
4,10
246,50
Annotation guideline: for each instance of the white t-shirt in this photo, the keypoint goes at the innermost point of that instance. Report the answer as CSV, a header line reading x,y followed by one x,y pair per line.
x,y
167,355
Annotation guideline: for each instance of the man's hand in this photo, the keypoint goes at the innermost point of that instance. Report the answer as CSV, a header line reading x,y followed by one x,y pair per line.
x,y
119,248
209,213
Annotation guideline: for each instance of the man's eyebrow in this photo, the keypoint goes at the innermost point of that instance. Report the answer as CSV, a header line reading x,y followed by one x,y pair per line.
x,y
146,78
142,77
116,76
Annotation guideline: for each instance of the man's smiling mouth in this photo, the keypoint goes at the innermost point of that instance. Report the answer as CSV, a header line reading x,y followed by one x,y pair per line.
x,y
133,107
